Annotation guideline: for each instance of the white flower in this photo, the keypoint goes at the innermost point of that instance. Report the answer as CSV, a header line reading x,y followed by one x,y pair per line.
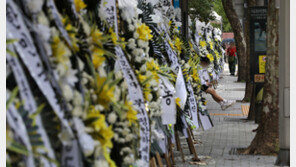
x,y
35,5
150,97
101,163
129,137
131,43
128,159
70,77
67,92
140,163
142,44
77,111
125,131
131,27
136,35
112,118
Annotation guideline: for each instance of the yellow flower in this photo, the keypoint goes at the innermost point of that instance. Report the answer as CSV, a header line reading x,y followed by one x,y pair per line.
x,y
79,5
113,36
142,78
60,51
105,94
170,22
195,75
131,113
178,44
98,58
202,43
178,100
144,32
153,67
172,45
210,56
211,45
96,37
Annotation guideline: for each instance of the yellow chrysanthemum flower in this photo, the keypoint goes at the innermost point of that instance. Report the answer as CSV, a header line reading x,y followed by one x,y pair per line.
x,y
113,36
131,114
178,100
210,56
178,44
98,58
105,94
144,32
211,45
79,5
202,43
60,51
96,37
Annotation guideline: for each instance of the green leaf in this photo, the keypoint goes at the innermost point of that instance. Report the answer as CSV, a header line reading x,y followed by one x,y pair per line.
x,y
12,97
18,148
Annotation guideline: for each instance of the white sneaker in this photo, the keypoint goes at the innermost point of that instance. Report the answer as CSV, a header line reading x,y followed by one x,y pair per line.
x,y
227,103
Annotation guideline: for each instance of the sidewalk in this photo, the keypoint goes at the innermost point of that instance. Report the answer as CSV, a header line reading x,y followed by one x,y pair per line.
x,y
217,146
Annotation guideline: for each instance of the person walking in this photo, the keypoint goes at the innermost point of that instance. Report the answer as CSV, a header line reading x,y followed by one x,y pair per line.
x,y
231,52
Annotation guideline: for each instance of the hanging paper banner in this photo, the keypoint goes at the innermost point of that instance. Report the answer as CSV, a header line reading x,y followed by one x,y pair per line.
x,y
168,103
16,29
30,106
192,104
71,156
16,123
136,96
181,91
109,9
54,12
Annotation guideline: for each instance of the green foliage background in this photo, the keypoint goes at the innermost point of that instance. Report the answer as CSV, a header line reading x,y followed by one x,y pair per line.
x,y
202,10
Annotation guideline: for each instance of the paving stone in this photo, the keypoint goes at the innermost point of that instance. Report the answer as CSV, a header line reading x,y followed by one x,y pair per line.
x,y
228,132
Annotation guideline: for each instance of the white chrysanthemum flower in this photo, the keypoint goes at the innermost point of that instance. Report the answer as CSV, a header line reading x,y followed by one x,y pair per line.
x,y
140,162
129,137
143,68
132,43
136,35
35,6
112,118
77,111
128,160
101,163
67,92
141,43
131,27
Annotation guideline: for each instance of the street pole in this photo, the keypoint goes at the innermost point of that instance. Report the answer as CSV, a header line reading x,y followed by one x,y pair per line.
x,y
284,83
184,17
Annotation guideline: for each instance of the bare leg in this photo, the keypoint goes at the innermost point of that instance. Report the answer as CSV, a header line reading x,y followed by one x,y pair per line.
x,y
214,94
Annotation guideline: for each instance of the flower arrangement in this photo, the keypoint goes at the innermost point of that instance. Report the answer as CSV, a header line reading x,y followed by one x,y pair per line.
x,y
82,92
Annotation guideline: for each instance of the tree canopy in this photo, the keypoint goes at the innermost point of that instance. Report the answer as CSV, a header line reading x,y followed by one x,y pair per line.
x,y
202,9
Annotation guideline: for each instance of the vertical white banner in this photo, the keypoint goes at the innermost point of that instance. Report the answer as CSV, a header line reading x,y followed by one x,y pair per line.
x,y
136,95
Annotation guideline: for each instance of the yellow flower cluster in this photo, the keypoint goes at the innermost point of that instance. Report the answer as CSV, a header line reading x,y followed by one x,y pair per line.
x,y
97,49
60,51
79,5
102,132
153,67
131,113
105,93
203,43
210,56
178,44
72,31
144,32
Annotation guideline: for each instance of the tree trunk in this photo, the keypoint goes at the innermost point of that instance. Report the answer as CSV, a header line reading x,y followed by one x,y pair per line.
x,y
239,38
267,137
249,85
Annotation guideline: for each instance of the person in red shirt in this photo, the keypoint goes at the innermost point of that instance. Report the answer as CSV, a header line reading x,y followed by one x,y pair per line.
x,y
231,52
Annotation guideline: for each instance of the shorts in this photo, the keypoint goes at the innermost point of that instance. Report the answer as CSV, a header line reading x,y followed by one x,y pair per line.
x,y
204,87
